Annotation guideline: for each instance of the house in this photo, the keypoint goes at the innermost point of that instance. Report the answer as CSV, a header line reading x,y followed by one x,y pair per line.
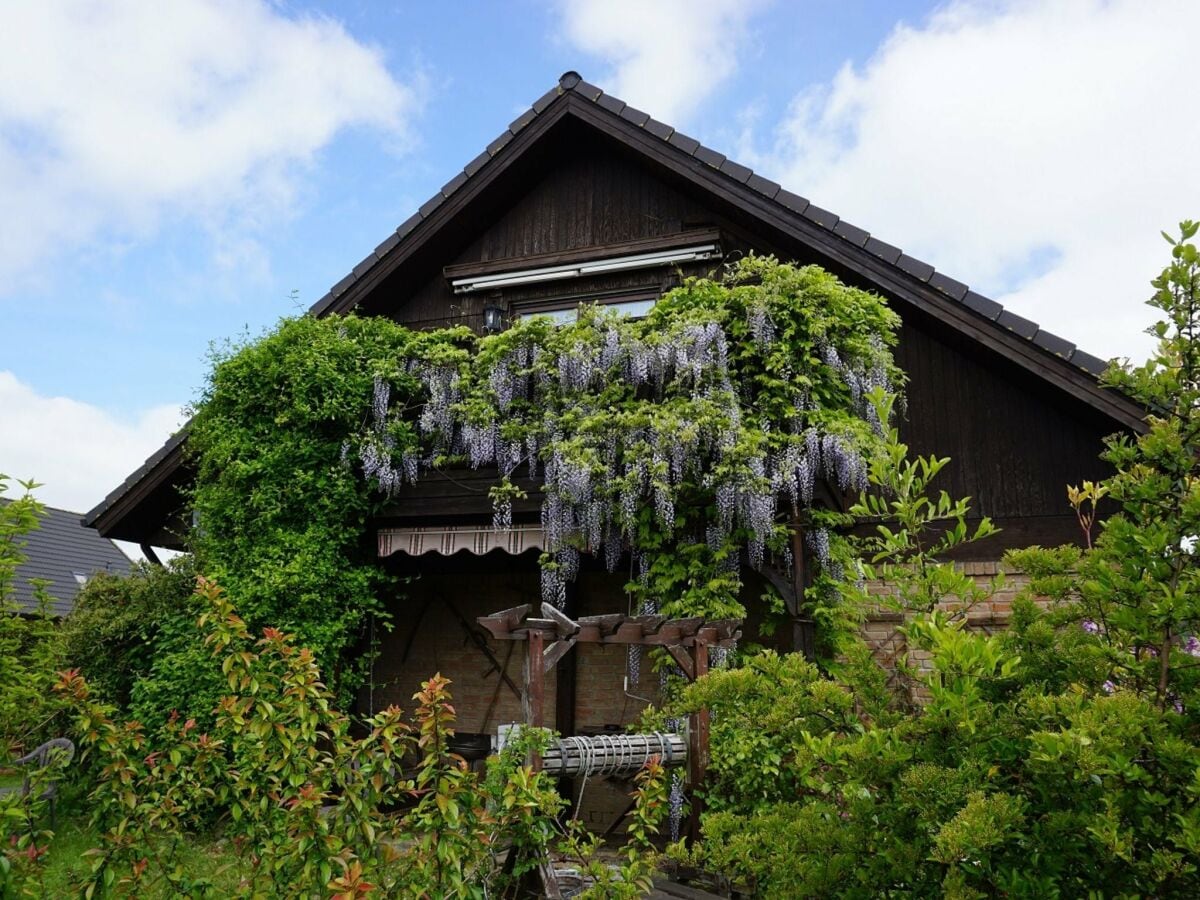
x,y
586,198
65,553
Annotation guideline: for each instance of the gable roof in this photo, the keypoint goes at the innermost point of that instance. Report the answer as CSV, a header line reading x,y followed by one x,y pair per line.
x,y
903,278
62,551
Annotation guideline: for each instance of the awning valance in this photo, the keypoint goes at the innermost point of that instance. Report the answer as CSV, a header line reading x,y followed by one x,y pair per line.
x,y
449,539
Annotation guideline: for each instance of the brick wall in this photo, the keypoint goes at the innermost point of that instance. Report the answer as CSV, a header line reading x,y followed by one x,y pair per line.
x,y
882,627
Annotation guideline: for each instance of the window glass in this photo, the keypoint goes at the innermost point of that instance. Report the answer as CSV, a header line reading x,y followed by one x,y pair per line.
x,y
635,308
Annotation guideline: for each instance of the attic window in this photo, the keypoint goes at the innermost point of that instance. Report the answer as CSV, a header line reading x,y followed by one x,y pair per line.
x,y
81,578
565,310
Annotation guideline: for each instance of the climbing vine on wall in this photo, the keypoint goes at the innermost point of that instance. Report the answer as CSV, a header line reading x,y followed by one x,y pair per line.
x,y
687,439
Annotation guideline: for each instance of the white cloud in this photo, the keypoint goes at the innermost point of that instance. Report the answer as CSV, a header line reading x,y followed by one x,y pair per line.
x,y
77,451
1032,149
666,56
114,115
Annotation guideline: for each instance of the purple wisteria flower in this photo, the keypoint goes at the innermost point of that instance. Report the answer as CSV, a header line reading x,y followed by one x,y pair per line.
x,y
1090,627
1192,646
1108,687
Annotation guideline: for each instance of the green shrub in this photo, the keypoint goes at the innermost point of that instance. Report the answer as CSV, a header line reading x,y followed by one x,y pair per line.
x,y
1060,758
309,808
134,637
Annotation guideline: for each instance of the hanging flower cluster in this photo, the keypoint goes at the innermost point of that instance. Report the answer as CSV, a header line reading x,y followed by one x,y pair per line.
x,y
713,421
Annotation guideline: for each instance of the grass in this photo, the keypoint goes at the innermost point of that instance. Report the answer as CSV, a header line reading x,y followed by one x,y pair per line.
x,y
67,865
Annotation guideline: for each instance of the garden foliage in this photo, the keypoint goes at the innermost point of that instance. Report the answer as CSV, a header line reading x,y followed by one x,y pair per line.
x,y
30,649
1060,758
30,713
311,810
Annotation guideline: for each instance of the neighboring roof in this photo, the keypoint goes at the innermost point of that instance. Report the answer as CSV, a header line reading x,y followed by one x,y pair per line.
x,y
65,553
903,277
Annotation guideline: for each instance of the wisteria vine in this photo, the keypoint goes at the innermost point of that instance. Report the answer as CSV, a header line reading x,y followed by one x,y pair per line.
x,y
708,425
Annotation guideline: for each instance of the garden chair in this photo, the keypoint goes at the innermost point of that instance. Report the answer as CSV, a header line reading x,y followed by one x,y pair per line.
x,y
58,751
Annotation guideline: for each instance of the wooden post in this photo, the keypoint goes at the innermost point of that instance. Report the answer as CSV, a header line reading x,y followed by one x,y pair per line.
x,y
564,692
534,693
698,738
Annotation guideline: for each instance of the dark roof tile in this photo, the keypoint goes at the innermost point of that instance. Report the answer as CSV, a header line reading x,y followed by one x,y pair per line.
x,y
794,202
658,129
1017,324
340,288
431,204
365,266
763,185
709,157
477,163
822,217
569,80
917,268
636,116
687,144
736,171
612,104
388,243
947,285
540,104
1052,342
855,235
408,224
587,90
495,146
1092,364
882,249
454,184
985,306
522,120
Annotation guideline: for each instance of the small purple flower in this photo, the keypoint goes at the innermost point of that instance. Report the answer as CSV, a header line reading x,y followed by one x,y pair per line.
x,y
1192,646
1178,706
1108,687
1090,627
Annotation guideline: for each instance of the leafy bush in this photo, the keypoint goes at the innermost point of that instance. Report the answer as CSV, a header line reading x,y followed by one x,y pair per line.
x,y
1057,759
30,649
309,807
134,638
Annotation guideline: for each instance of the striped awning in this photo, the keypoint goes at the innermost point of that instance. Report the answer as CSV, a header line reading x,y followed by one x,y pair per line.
x,y
449,539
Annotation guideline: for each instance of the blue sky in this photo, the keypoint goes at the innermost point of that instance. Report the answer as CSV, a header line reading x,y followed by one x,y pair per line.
x,y
174,178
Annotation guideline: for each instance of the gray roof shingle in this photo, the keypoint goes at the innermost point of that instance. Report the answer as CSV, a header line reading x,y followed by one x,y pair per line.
x,y
63,551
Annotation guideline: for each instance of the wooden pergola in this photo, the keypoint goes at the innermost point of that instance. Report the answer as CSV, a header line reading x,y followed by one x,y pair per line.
x,y
552,635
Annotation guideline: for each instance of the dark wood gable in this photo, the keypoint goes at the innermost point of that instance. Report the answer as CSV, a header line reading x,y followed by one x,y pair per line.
x,y
581,175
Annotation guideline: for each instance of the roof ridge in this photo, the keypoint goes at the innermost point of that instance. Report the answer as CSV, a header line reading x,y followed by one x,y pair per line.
x,y
572,82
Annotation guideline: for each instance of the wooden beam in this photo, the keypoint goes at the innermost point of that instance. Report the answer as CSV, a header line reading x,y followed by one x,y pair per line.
x,y
698,737
550,658
682,659
533,696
